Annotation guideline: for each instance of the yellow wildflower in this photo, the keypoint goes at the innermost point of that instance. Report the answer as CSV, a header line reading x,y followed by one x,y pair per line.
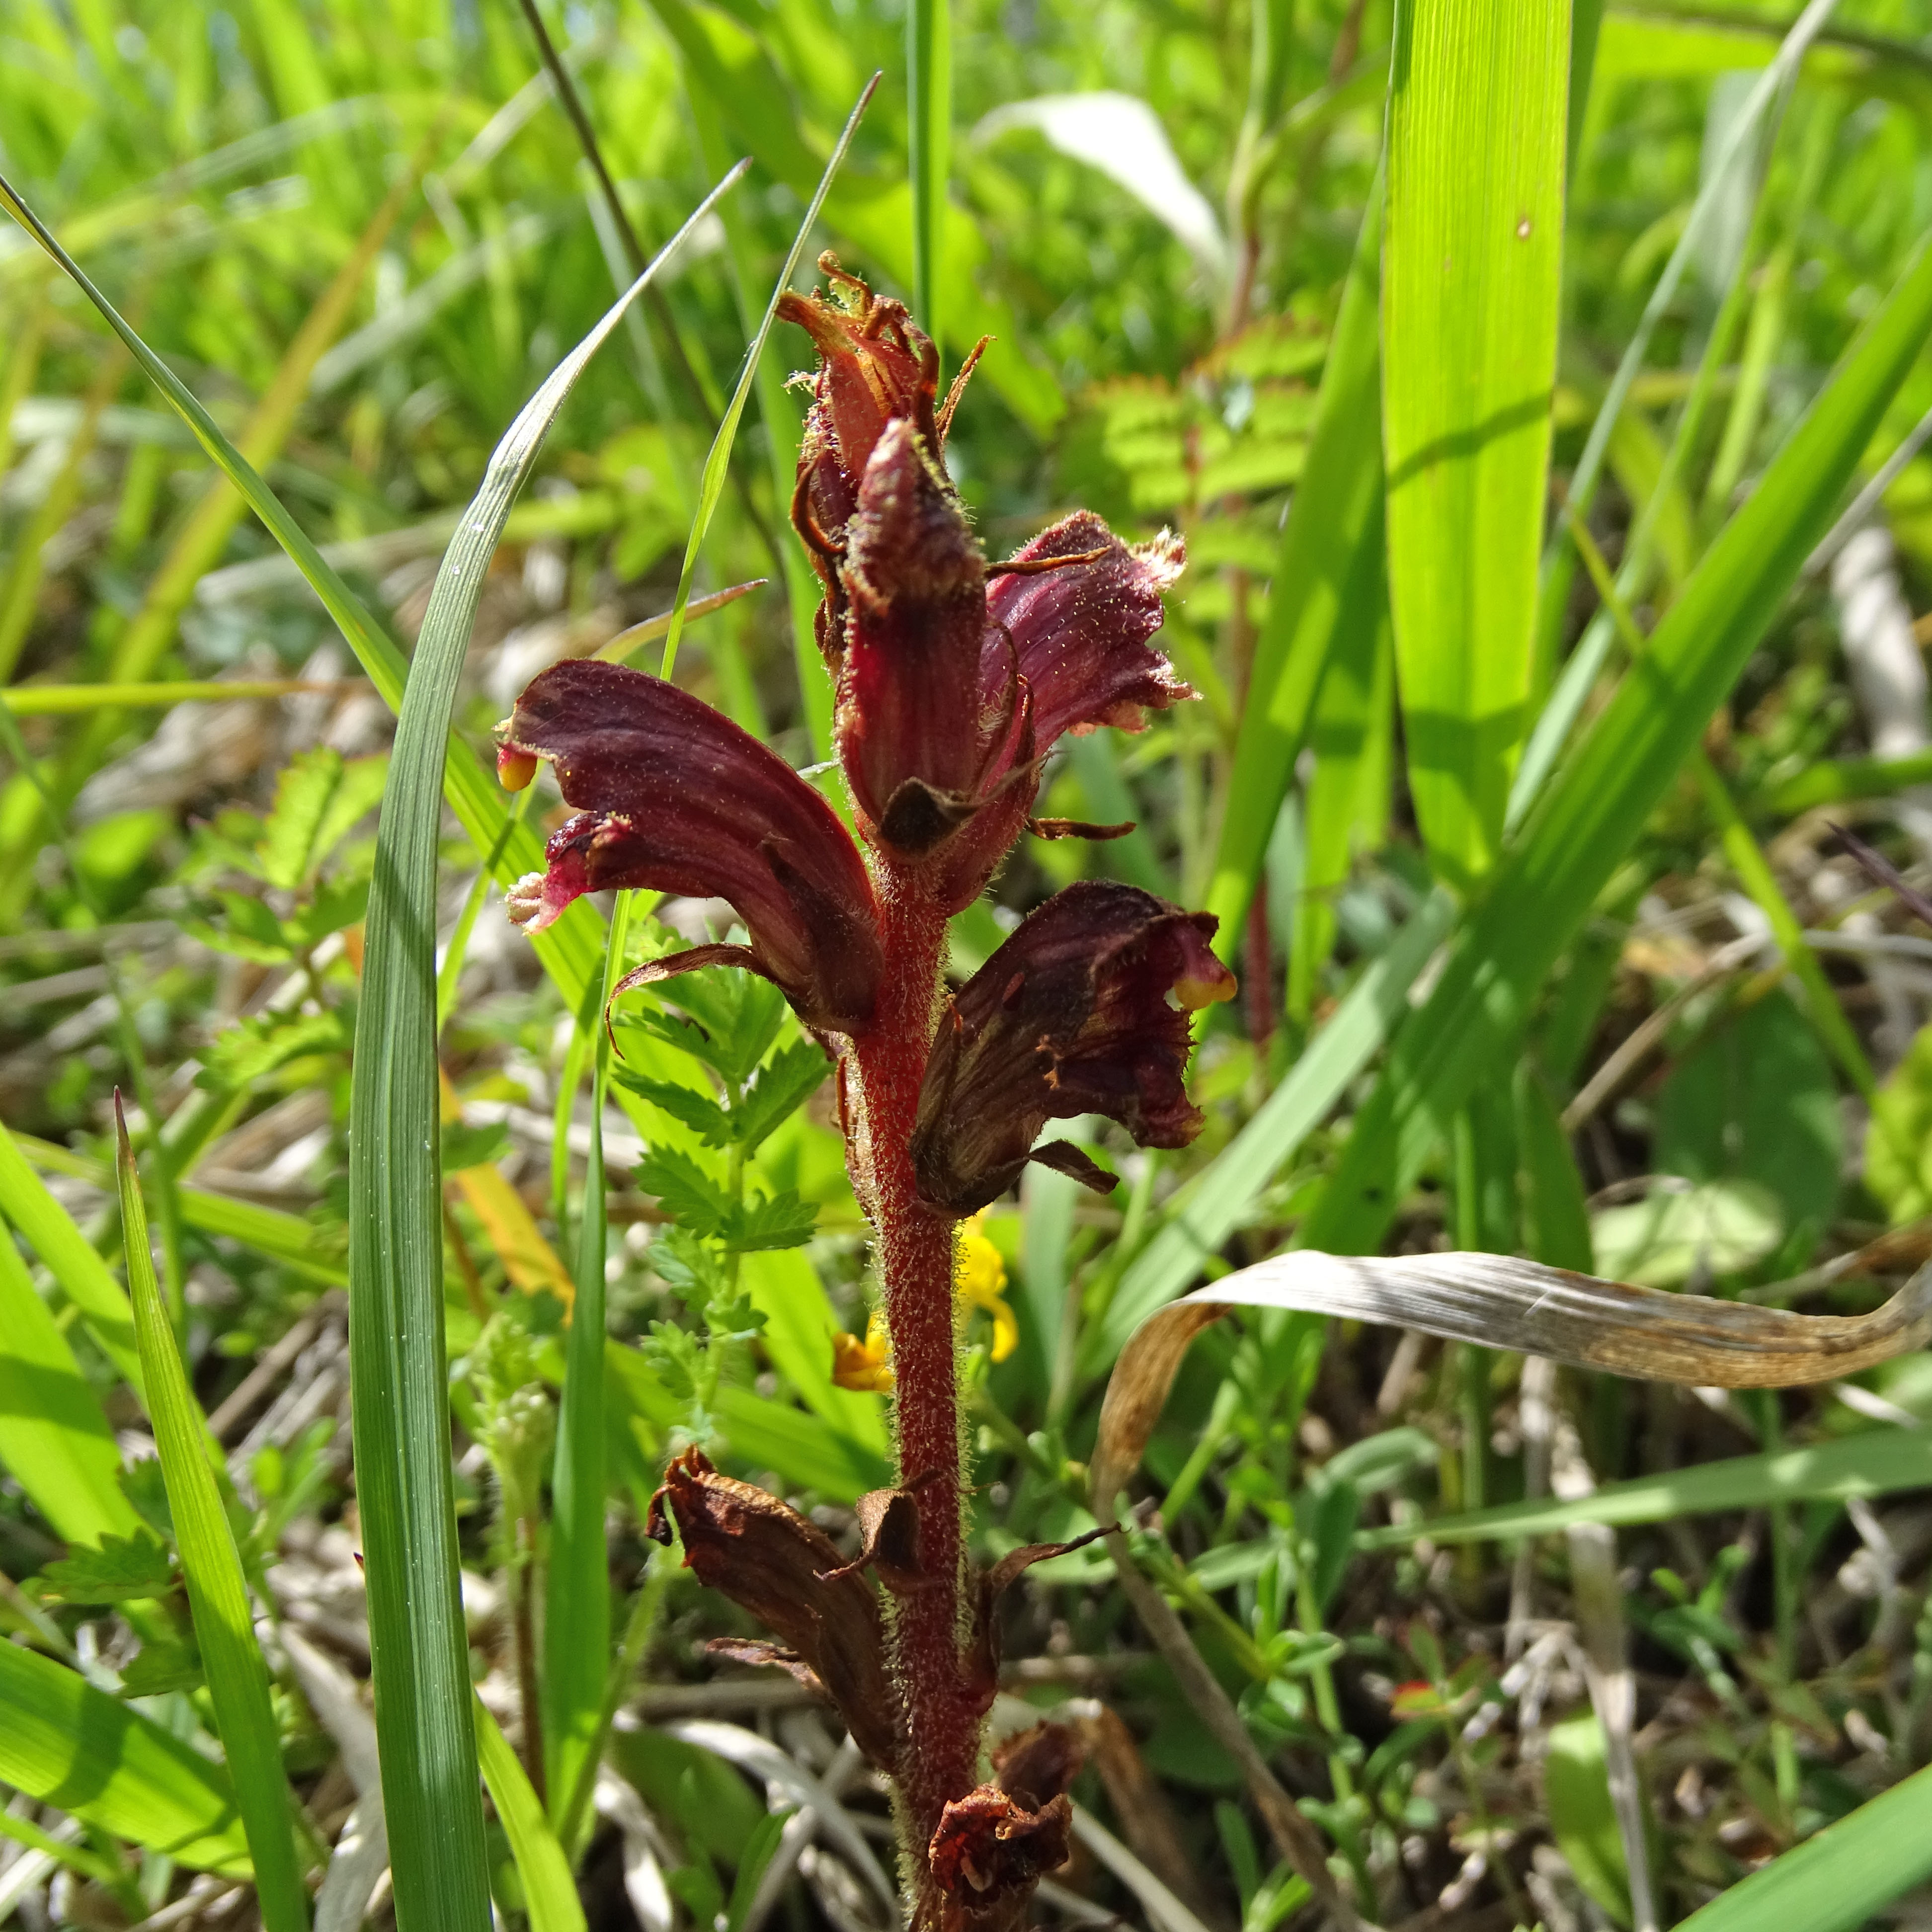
x,y
981,1282
862,1366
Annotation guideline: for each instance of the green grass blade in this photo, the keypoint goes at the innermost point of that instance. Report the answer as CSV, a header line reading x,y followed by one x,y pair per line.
x,y
417,1638
284,1237
577,1620
1733,152
81,1273
719,461
1333,521
1598,805
55,701
1839,1880
1880,1462
549,1891
1835,781
54,1440
1348,797
928,32
1746,858
1744,143
65,1743
224,1625
1477,118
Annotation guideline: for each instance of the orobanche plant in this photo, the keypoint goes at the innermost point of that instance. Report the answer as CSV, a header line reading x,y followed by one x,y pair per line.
x,y
954,678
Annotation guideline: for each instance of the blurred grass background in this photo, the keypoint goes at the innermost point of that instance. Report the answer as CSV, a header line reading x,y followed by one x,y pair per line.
x,y
364,236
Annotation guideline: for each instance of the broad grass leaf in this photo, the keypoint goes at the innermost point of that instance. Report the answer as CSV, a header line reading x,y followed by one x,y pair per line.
x,y
418,1644
1576,1795
54,1440
550,1892
1478,112
65,1743
218,1592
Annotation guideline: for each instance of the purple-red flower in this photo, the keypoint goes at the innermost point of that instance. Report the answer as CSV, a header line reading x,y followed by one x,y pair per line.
x,y
1083,1010
677,797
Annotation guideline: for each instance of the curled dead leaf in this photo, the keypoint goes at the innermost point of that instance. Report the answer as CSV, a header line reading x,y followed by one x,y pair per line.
x,y
982,1656
1502,1302
889,1533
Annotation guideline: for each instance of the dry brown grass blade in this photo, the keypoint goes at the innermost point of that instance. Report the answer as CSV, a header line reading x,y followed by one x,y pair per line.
x,y
1294,1837
1501,1303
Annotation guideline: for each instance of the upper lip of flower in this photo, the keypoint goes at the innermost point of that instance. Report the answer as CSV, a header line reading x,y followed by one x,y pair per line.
x,y
679,798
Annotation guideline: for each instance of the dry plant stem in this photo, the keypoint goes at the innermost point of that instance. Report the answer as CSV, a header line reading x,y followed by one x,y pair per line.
x,y
1294,1837
523,1596
939,1711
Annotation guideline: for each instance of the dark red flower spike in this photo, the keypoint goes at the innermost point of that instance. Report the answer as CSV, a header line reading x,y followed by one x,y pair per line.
x,y
677,797
1083,1010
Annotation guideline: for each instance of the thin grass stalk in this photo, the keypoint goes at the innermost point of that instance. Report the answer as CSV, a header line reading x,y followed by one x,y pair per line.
x,y
576,1620
718,462
237,1677
929,127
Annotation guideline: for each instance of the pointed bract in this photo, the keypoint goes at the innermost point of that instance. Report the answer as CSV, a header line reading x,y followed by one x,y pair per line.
x,y
675,796
1083,1010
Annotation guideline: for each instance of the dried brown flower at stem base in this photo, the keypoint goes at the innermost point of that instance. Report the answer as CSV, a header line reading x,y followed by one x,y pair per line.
x,y
991,1850
773,1564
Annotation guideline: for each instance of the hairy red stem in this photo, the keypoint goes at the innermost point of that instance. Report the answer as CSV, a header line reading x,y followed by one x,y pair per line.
x,y
915,1247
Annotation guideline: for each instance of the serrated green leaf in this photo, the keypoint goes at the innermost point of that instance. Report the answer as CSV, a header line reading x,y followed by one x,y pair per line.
x,y
783,1084
159,1667
738,1014
319,797
684,1190
775,1221
333,907
244,1052
249,929
698,1111
119,1569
